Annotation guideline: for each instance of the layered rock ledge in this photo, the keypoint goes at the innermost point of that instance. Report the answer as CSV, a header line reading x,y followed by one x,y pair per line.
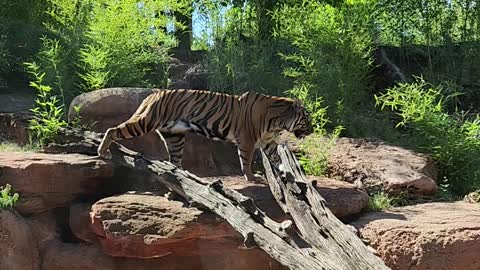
x,y
440,236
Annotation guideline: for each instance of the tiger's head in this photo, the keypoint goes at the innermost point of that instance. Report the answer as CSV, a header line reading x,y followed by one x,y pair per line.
x,y
301,124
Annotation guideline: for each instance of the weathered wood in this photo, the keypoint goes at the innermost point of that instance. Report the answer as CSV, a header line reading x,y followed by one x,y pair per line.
x,y
315,221
319,247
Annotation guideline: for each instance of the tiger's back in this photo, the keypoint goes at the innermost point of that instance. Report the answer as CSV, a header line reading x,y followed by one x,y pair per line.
x,y
210,114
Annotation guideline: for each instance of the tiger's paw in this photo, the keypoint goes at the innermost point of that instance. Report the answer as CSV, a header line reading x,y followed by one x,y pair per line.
x,y
107,154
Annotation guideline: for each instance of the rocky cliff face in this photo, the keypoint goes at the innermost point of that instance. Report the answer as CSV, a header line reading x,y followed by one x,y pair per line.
x,y
70,216
81,212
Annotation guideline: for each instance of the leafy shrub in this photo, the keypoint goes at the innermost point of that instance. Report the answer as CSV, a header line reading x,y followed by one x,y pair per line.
x,y
20,29
329,52
125,40
383,201
7,200
237,58
379,201
453,141
315,150
48,114
235,66
93,44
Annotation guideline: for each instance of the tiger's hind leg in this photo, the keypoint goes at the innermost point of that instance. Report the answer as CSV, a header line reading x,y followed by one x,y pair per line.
x,y
174,143
105,144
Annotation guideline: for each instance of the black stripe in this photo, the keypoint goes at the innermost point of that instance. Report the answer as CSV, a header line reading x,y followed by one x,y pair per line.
x,y
153,118
130,130
171,104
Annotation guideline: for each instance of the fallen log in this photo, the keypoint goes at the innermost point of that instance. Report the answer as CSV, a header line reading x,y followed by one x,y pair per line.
x,y
319,227
323,243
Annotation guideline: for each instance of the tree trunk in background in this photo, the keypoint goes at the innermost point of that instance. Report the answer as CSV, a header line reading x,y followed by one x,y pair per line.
x,y
184,36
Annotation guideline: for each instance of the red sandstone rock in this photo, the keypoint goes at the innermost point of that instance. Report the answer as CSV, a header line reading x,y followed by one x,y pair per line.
x,y
80,222
17,246
61,256
44,228
13,127
147,226
46,181
432,236
376,165
343,199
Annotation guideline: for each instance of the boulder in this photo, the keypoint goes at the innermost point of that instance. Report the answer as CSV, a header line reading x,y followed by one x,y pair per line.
x,y
46,181
17,251
432,236
14,127
145,225
110,107
44,228
60,256
378,166
343,199
149,226
16,99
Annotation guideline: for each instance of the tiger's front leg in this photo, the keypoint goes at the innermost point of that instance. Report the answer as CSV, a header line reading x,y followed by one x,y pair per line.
x,y
245,153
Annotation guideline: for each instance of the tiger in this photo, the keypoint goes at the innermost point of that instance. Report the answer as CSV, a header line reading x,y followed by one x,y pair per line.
x,y
250,121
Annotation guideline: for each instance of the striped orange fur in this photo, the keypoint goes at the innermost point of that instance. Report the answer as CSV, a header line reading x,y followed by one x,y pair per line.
x,y
250,121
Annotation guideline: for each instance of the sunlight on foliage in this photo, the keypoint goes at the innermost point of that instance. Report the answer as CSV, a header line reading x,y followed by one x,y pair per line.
x,y
48,114
6,146
379,201
315,150
331,51
7,200
453,141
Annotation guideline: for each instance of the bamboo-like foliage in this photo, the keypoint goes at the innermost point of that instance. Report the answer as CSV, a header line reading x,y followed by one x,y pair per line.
x,y
445,32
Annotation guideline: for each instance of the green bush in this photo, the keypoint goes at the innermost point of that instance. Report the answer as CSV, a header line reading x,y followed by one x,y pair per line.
x,y
383,201
7,200
237,58
126,40
453,141
21,26
235,66
329,52
379,201
48,113
315,150
94,44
